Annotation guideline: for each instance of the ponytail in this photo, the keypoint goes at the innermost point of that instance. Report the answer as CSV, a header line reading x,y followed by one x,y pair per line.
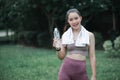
x,y
66,27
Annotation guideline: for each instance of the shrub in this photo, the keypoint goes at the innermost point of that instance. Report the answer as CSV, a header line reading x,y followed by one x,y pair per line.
x,y
108,45
117,43
44,40
112,49
98,40
36,39
27,37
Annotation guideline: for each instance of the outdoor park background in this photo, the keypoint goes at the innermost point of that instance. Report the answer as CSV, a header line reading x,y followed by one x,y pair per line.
x,y
26,33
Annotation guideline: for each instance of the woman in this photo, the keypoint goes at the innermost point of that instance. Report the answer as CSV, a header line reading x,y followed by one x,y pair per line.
x,y
77,43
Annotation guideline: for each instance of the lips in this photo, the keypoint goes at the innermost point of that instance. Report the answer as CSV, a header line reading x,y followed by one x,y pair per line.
x,y
75,25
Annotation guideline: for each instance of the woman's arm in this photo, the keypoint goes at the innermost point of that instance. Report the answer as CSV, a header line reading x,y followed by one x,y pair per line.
x,y
92,56
62,52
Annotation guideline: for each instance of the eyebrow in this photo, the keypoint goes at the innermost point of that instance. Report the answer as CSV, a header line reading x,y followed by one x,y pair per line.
x,y
73,18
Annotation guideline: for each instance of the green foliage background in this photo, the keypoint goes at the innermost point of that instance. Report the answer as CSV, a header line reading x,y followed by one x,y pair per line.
x,y
39,16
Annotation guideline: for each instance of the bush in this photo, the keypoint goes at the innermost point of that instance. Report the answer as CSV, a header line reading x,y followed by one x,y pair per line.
x,y
112,49
117,43
98,40
27,37
36,39
44,40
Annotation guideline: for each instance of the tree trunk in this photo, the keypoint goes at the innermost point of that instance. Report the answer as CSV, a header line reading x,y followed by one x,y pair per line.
x,y
114,21
51,24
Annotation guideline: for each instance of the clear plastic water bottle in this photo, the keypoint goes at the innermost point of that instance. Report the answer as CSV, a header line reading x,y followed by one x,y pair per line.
x,y
57,37
56,34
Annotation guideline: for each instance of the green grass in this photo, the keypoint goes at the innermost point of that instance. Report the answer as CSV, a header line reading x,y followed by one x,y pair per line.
x,y
24,63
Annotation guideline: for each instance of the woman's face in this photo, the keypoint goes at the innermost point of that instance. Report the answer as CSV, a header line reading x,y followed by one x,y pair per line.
x,y
74,20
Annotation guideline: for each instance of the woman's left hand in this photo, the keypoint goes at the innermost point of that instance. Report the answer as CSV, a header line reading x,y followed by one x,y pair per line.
x,y
93,77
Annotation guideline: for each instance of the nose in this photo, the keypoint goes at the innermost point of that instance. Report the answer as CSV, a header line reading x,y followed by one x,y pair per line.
x,y
74,21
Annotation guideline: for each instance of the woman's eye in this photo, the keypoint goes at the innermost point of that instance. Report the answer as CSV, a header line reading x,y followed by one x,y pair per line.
x,y
76,18
71,19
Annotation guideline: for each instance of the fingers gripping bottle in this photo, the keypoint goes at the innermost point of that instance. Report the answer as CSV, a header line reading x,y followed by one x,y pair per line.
x,y
57,37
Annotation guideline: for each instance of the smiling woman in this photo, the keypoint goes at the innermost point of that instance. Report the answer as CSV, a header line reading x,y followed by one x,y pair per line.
x,y
76,44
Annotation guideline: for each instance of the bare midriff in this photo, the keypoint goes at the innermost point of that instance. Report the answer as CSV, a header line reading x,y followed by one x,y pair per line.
x,y
76,57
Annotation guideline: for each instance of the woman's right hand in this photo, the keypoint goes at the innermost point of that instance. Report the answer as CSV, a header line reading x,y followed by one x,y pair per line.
x,y
61,51
54,43
57,44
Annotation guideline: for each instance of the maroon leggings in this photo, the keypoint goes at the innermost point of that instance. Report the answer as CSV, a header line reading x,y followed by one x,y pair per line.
x,y
73,70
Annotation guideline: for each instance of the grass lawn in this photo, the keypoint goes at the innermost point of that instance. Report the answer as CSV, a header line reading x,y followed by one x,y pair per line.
x,y
25,63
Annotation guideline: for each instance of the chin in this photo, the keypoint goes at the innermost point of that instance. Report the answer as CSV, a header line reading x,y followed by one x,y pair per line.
x,y
76,27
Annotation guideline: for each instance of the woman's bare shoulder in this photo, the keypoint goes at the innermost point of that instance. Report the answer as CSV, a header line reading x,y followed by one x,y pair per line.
x,y
91,35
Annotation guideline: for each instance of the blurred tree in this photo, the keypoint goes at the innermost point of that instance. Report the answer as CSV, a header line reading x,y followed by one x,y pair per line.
x,y
16,11
44,15
114,7
12,14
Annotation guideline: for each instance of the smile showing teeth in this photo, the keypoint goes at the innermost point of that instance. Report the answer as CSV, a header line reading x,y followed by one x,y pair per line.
x,y
75,25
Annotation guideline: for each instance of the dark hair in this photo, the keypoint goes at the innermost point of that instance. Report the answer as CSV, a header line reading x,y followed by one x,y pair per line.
x,y
67,14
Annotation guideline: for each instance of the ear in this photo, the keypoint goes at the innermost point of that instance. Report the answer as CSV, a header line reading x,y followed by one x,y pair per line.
x,y
68,21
